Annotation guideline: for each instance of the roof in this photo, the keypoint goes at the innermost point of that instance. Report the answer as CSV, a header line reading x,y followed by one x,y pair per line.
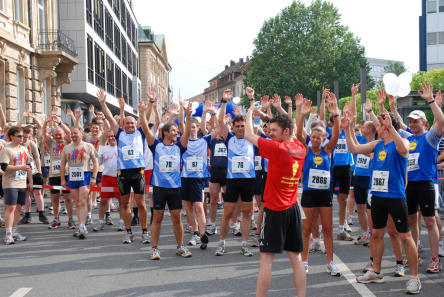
x,y
146,35
237,67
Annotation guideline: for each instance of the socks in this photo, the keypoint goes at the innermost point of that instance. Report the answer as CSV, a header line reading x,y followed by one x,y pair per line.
x,y
8,231
101,222
121,222
89,214
244,243
341,228
82,226
14,230
41,213
320,228
28,215
222,241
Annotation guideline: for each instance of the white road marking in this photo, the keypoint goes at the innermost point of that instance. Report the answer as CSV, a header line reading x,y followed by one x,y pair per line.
x,y
351,278
21,292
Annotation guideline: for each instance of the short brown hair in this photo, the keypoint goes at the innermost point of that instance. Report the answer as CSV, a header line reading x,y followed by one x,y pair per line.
x,y
14,130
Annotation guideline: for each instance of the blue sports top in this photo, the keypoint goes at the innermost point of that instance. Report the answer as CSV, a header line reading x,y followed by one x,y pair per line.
x,y
218,153
240,157
195,158
166,171
130,149
316,171
341,154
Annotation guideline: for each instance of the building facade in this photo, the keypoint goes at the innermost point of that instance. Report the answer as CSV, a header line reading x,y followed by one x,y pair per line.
x,y
230,78
431,35
105,35
154,66
377,69
36,57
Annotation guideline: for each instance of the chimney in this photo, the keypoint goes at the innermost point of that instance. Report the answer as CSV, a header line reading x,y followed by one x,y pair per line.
x,y
231,63
226,67
248,58
241,60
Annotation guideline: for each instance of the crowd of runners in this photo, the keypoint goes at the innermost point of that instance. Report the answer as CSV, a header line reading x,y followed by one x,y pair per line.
x,y
250,165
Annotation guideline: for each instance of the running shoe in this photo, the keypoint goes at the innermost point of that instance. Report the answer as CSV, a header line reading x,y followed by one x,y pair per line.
x,y
333,269
99,227
306,267
9,239
413,286
83,232
349,220
441,251
434,266
146,239
76,232
315,247
399,270
204,241
370,277
88,220
220,205
368,267
406,262
18,237
253,225
237,230
362,240
155,254
24,220
347,227
121,226
114,208
71,224
183,252
129,237
64,211
212,230
220,251
43,219
108,220
195,240
255,241
245,250
189,229
51,212
55,224
135,221
344,236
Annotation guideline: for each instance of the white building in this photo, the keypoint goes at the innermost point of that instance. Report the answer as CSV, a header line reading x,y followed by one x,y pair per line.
x,y
431,35
105,35
377,69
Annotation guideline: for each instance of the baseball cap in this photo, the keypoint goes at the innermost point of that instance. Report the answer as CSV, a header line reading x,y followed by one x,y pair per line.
x,y
417,114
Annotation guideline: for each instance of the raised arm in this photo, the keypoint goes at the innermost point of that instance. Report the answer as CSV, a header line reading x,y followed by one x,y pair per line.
x,y
427,94
334,113
182,115
276,102
355,148
368,109
121,110
322,104
402,145
394,110
143,119
109,116
156,114
354,91
381,100
301,111
203,120
186,135
249,131
289,103
91,111
71,115
228,94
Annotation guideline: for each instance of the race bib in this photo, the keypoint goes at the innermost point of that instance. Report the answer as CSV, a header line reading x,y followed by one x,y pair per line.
x,y
168,163
380,181
33,168
257,163
76,173
21,175
240,164
319,179
194,164
130,152
47,160
55,166
412,163
341,147
220,150
362,161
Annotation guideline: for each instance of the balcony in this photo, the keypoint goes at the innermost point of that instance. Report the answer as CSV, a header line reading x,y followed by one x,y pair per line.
x,y
57,41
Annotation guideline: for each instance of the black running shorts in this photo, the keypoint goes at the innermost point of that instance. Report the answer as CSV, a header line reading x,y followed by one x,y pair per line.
x,y
381,207
163,196
131,178
421,194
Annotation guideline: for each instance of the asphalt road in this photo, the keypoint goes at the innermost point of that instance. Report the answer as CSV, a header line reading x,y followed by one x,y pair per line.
x,y
53,263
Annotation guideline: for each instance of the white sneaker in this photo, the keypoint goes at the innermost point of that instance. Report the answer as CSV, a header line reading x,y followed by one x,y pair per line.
x,y
370,277
146,239
189,229
212,230
347,227
9,239
413,286
128,238
220,250
237,230
399,270
18,237
349,220
155,254
333,269
195,240
121,226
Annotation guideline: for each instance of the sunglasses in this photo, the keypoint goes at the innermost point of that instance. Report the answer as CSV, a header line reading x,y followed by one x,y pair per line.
x,y
19,136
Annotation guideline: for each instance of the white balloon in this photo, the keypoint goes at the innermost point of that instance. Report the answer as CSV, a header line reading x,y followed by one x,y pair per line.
x,y
405,77
194,105
236,100
403,89
392,88
389,78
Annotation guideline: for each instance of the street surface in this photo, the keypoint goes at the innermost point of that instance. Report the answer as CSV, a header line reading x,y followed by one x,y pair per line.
x,y
53,263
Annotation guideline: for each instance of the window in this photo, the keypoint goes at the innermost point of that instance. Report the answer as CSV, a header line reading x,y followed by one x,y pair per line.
x,y
134,65
2,5
441,5
130,91
122,13
110,3
441,37
89,45
128,23
109,24
88,12
100,66
431,38
123,50
20,93
431,6
18,10
117,41
42,20
109,75
98,17
125,87
118,78
116,7
46,96
130,60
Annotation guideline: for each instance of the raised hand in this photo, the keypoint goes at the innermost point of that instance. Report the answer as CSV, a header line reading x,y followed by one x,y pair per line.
x,y
276,101
69,112
298,100
91,109
188,109
121,103
208,105
151,94
368,106
78,112
386,120
100,115
228,94
332,106
174,109
237,110
142,106
438,99
287,100
306,106
355,89
426,91
325,93
26,113
250,92
101,96
392,101
55,110
265,101
345,120
182,102
381,97
347,107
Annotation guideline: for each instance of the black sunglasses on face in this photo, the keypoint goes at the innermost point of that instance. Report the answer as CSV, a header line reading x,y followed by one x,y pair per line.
x,y
18,136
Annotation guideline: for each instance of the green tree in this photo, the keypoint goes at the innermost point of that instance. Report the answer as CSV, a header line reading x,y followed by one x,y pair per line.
x,y
435,77
303,49
396,68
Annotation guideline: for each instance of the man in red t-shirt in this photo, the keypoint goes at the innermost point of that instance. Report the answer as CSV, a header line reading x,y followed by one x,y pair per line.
x,y
282,227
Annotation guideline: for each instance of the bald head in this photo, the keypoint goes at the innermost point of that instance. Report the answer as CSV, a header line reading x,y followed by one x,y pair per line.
x,y
129,124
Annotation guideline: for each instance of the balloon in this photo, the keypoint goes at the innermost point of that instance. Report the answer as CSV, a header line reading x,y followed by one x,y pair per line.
x,y
403,89
389,79
236,100
405,77
392,88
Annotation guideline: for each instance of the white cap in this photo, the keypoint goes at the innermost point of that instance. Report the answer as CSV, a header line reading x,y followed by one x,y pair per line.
x,y
417,114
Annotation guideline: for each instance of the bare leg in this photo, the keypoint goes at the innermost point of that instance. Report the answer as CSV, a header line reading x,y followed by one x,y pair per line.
x,y
300,278
264,276
176,215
